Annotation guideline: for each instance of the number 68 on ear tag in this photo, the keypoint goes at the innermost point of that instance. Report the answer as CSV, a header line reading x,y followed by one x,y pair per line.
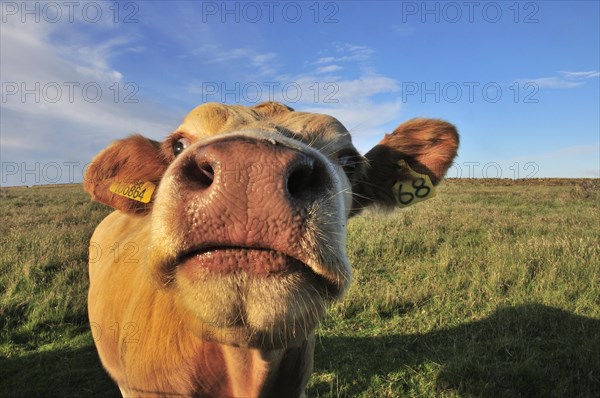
x,y
414,190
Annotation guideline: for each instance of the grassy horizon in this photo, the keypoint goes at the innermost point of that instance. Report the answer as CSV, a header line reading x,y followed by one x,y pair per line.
x,y
490,289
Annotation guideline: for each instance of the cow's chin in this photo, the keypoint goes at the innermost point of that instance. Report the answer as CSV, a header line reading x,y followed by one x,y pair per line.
x,y
251,298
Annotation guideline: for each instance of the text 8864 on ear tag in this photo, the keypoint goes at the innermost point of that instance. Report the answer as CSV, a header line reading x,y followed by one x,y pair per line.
x,y
139,191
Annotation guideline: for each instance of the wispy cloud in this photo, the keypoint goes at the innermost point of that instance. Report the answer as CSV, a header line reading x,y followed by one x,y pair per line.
x,y
75,99
365,87
553,82
262,63
565,152
347,52
352,97
565,80
569,161
364,121
328,68
325,60
580,75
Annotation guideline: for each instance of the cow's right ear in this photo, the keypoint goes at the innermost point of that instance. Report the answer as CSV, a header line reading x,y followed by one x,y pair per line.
x,y
125,175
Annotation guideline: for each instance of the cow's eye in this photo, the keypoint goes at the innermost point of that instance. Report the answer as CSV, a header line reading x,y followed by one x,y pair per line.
x,y
180,145
349,162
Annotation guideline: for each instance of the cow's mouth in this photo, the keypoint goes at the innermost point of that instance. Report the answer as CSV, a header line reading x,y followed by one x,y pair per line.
x,y
230,259
256,262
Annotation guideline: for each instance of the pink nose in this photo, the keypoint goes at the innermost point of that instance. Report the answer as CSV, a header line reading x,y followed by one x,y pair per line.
x,y
269,175
251,192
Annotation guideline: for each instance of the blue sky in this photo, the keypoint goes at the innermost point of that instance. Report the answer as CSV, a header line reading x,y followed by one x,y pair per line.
x,y
520,80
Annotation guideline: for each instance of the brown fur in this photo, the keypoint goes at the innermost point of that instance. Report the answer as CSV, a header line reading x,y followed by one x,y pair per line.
x,y
428,146
163,331
129,160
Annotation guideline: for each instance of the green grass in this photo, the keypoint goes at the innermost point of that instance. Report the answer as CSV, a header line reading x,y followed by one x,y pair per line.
x,y
492,289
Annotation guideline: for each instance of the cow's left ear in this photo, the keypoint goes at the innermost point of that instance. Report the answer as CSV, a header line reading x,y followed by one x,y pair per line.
x,y
405,166
126,174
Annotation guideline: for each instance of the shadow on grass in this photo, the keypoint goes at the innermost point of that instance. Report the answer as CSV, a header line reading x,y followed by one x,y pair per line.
x,y
60,373
524,351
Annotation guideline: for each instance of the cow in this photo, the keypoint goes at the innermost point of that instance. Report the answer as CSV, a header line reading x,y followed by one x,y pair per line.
x,y
232,237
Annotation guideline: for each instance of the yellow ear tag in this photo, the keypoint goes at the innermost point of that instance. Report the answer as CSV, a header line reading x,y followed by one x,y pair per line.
x,y
414,190
140,191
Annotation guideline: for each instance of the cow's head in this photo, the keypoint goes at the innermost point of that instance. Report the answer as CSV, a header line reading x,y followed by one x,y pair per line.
x,y
248,219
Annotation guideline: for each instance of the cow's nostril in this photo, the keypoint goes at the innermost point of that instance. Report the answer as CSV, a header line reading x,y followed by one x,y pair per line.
x,y
208,174
200,175
304,182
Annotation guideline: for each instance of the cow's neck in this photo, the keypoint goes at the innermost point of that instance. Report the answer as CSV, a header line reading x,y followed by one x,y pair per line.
x,y
251,371
193,366
266,373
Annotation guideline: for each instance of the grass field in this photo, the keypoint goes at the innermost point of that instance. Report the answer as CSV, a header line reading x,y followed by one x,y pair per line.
x,y
492,289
